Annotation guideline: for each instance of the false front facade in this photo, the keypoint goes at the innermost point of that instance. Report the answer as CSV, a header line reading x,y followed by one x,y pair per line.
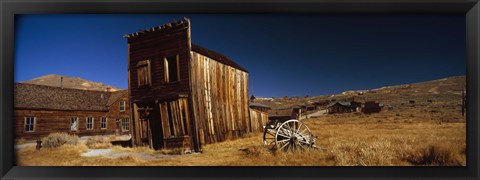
x,y
184,95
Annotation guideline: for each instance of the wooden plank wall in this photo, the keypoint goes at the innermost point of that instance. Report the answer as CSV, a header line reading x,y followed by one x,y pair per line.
x,y
156,46
50,121
258,119
219,100
179,118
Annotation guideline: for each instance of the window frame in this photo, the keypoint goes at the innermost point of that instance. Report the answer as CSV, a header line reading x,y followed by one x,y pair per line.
x,y
91,123
166,71
125,123
102,123
144,64
124,105
76,119
33,124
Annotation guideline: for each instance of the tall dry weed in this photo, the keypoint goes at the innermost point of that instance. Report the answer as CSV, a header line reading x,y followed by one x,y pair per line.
x,y
98,142
436,155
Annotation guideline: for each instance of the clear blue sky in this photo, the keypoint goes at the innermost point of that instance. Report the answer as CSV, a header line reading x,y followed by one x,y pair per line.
x,y
286,55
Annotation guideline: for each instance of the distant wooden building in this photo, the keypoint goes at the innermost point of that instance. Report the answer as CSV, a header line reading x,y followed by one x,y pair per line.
x,y
321,104
342,107
41,110
284,114
258,115
184,95
371,107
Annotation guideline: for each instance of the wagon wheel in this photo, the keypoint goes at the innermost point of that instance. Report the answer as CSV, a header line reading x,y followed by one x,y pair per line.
x,y
269,134
293,135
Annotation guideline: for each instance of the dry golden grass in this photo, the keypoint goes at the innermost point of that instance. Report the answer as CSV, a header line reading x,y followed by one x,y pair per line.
x,y
54,140
98,142
382,139
19,141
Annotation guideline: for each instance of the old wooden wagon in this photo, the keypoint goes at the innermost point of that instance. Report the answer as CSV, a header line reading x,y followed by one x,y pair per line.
x,y
184,95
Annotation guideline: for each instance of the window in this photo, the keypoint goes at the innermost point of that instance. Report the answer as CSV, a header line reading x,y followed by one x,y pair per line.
x,y
125,125
172,73
29,124
143,73
103,122
74,123
89,123
122,105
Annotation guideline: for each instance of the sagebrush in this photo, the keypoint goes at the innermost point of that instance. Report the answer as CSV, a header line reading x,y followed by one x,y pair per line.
x,y
54,140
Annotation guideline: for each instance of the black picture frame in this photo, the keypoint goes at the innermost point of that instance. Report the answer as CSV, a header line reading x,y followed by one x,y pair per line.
x,y
8,8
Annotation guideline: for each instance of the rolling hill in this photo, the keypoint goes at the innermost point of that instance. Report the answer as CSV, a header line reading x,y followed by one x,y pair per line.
x,y
70,82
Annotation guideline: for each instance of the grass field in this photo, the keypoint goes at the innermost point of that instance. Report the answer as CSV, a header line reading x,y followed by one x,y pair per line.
x,y
382,139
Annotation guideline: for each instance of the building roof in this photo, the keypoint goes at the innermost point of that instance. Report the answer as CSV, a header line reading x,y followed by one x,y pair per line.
x,y
196,48
343,103
30,96
115,95
216,56
252,104
176,23
279,112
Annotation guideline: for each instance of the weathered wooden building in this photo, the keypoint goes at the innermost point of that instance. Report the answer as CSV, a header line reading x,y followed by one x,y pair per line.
x,y
184,95
284,114
258,115
321,104
371,107
341,107
40,110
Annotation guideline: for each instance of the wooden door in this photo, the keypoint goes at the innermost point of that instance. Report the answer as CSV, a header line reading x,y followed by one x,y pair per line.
x,y
117,127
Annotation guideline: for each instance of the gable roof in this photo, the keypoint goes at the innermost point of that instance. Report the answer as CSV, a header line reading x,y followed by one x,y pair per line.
x,y
348,104
115,95
30,96
216,56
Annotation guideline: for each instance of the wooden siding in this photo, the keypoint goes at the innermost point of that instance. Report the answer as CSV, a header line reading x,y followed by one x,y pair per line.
x,y
258,119
219,100
155,47
49,121
152,127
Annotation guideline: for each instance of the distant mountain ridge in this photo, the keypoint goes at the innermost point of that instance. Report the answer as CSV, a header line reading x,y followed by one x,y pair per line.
x,y
447,90
55,80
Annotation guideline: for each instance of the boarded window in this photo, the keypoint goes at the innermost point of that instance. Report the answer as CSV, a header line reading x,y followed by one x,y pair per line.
x,y
103,122
174,116
74,123
89,123
29,124
122,105
125,125
172,72
143,73
170,119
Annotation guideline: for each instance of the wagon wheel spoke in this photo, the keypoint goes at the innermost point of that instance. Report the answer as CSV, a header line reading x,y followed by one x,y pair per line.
x,y
292,135
300,144
286,144
284,135
285,140
285,131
